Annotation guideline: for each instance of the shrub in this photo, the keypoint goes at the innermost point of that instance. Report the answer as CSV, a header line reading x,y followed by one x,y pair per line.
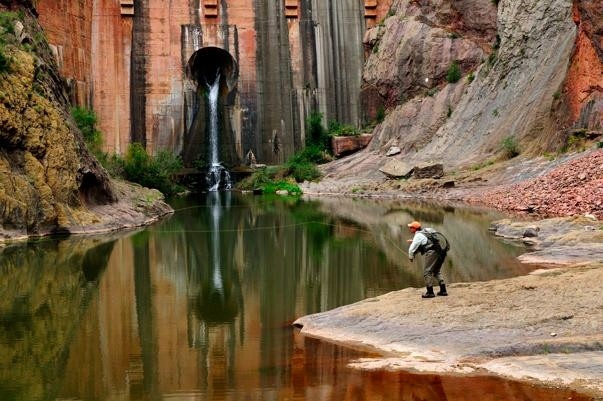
x,y
454,72
7,21
153,172
86,122
113,163
510,147
274,186
316,133
270,180
304,171
338,129
4,61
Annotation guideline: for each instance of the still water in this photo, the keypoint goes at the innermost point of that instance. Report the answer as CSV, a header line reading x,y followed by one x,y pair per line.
x,y
200,305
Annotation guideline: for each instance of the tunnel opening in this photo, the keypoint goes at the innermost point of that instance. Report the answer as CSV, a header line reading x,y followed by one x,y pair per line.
x,y
209,144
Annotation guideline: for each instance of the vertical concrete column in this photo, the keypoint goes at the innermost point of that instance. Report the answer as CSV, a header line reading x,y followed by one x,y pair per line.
x,y
339,28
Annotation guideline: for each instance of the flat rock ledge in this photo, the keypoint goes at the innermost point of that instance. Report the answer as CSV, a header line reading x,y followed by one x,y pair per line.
x,y
545,327
137,206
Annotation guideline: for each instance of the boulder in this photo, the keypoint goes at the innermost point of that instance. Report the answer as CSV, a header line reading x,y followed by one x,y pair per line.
x,y
344,145
395,168
394,150
429,171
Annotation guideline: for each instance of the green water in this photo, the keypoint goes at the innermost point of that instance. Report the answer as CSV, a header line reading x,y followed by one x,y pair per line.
x,y
200,305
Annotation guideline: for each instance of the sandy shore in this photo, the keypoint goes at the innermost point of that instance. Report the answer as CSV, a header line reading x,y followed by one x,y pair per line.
x,y
545,327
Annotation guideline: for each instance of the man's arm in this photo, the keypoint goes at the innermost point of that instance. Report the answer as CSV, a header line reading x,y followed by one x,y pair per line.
x,y
418,240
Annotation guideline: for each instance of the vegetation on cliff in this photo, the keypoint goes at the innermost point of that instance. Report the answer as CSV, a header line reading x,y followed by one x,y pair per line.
x,y
49,181
151,171
300,167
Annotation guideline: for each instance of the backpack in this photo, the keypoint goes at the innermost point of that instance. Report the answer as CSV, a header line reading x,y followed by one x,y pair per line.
x,y
438,241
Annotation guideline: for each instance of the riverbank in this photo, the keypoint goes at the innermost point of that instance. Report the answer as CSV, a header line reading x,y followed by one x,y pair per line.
x,y
136,206
546,327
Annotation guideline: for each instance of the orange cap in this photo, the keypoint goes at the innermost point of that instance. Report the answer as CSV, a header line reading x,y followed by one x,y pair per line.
x,y
414,224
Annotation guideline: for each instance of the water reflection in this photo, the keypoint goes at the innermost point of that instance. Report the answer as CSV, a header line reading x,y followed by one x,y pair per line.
x,y
41,302
199,306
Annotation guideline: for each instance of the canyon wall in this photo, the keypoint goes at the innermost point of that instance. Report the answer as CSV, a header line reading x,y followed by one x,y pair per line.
x,y
128,61
47,177
529,72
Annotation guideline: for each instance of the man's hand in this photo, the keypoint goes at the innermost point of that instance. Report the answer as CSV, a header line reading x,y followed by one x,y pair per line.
x,y
409,241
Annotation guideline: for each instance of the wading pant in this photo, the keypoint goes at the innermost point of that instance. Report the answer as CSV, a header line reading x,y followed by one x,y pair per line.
x,y
433,265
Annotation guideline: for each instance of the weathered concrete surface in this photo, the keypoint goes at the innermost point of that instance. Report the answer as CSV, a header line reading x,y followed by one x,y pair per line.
x,y
130,67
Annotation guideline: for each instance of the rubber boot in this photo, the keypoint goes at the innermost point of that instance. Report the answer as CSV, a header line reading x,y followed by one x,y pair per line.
x,y
429,293
442,291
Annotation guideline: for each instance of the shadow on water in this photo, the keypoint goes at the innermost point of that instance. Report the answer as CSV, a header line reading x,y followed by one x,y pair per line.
x,y
199,306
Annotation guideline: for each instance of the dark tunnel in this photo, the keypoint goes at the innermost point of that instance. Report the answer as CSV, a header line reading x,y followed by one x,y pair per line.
x,y
202,68
205,62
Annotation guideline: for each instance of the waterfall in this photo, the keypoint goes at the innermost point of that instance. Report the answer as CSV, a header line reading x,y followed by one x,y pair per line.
x,y
216,172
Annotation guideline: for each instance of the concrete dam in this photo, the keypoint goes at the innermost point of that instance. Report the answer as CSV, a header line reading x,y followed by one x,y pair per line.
x,y
144,68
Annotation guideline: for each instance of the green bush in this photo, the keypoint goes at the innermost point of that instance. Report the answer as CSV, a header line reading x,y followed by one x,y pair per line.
x,y
272,187
380,114
316,133
86,120
113,163
510,147
338,129
304,171
259,179
270,180
7,21
4,61
153,172
454,72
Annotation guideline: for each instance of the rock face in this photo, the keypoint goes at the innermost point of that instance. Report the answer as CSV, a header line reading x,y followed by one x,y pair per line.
x,y
529,71
46,172
48,180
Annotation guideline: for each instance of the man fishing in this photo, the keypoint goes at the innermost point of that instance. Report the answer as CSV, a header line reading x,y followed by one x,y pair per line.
x,y
434,247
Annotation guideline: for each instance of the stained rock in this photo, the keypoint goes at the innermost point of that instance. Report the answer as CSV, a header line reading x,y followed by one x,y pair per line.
x,y
395,168
344,145
429,171
394,150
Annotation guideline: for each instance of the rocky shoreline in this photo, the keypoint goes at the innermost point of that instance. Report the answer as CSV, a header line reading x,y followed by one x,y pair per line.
x,y
135,206
546,327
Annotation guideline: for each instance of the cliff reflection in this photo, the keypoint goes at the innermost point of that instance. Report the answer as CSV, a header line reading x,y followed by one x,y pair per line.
x,y
475,254
45,288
